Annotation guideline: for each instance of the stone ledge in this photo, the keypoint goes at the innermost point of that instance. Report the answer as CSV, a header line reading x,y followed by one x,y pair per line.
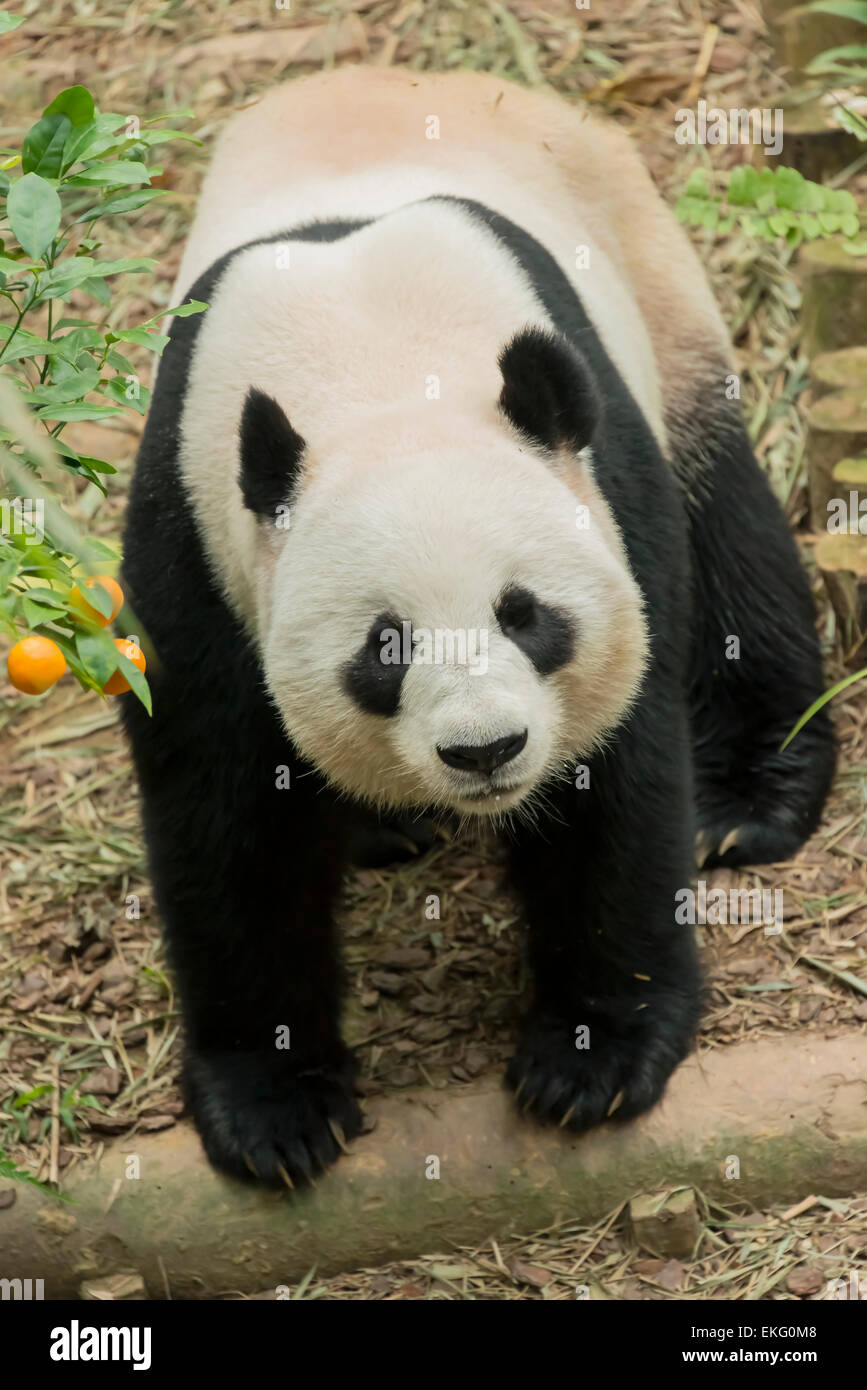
x,y
793,1111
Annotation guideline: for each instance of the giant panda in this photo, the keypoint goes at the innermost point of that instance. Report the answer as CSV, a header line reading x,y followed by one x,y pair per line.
x,y
460,372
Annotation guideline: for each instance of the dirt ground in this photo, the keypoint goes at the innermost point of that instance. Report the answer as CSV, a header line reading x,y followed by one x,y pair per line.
x,y
86,1009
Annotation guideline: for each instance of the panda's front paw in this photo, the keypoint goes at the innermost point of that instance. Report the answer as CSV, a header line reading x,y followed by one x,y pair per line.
x,y
262,1117
577,1073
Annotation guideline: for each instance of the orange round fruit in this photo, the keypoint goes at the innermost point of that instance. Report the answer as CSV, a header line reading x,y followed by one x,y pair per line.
x,y
34,664
118,683
78,601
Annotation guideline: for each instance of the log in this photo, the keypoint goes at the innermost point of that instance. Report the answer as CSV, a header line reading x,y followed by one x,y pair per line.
x,y
798,36
838,371
834,296
852,473
760,1122
813,142
836,429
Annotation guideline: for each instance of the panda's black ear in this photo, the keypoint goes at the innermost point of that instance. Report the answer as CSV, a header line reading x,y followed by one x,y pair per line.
x,y
548,391
270,454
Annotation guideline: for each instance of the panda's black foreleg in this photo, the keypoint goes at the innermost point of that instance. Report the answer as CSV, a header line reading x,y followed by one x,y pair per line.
x,y
756,662
245,870
377,839
616,981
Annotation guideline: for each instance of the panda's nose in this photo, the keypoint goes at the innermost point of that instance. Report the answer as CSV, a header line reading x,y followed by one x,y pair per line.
x,y
483,757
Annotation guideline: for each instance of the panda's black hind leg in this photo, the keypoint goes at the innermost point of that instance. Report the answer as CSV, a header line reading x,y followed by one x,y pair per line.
x,y
756,660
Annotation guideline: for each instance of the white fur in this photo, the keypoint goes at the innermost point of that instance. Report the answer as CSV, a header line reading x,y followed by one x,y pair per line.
x,y
427,508
372,192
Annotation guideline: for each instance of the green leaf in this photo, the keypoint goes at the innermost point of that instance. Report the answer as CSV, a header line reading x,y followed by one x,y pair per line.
x,y
65,276
80,411
117,388
811,197
36,613
46,596
788,187
159,137
42,149
82,462
698,186
124,267
851,121
98,289
155,341
832,57
181,311
743,185
73,388
842,201
98,655
119,362
849,224
8,570
87,142
74,102
71,345
23,345
126,202
138,682
99,547
114,174
10,266
34,210
79,270
186,114
9,21
846,9
98,598
822,700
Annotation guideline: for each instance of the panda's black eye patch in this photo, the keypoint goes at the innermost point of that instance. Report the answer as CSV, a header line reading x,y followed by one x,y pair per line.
x,y
543,633
374,676
516,610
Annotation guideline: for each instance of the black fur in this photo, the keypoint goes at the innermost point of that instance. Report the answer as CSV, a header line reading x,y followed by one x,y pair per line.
x,y
548,390
748,584
271,453
373,683
246,875
542,632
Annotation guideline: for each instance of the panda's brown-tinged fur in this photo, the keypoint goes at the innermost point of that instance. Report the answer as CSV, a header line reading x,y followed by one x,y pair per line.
x,y
346,259
570,180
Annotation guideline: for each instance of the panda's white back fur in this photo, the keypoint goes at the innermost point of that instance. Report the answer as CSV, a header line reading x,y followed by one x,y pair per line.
x,y
354,144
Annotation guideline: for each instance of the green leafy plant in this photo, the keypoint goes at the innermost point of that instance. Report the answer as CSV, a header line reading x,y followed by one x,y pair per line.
x,y
823,700
10,1173
76,168
771,204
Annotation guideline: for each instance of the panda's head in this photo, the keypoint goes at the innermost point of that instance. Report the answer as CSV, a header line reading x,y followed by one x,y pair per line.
x,y
448,618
